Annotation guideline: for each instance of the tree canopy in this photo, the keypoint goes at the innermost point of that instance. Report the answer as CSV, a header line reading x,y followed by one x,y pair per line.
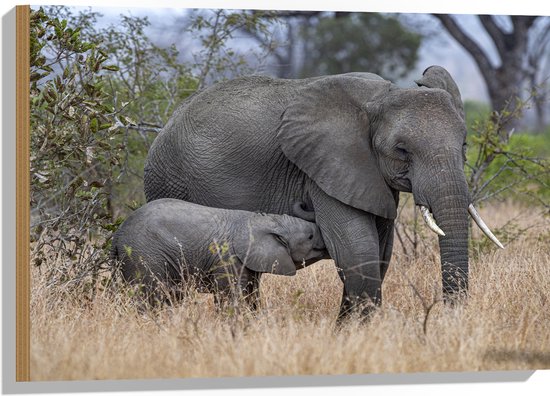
x,y
360,42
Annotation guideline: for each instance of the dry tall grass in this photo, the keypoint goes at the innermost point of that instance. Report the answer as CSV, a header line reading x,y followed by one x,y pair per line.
x,y
505,323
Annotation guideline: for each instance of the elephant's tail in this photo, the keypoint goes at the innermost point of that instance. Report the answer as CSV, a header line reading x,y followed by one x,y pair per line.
x,y
113,253
115,264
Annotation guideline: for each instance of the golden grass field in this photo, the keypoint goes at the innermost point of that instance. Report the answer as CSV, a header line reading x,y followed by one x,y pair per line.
x,y
504,325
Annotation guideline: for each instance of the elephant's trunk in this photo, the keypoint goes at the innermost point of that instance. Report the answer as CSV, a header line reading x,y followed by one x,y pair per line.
x,y
447,196
451,213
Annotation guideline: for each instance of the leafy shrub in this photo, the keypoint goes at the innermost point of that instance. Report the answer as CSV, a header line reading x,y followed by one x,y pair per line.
x,y
72,150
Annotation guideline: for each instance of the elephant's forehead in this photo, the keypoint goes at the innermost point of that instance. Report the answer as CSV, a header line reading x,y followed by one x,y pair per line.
x,y
421,131
427,99
424,110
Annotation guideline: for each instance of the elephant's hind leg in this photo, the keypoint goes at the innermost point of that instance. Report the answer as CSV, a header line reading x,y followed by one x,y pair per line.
x,y
250,286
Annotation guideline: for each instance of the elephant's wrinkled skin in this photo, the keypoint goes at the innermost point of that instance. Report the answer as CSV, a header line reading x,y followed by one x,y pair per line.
x,y
345,145
169,241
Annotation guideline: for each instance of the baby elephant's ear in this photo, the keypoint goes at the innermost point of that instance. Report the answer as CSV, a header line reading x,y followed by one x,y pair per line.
x,y
267,253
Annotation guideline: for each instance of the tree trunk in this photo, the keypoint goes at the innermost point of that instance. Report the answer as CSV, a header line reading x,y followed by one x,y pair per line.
x,y
504,81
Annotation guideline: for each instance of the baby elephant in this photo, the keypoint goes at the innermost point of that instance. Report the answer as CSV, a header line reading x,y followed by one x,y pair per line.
x,y
168,241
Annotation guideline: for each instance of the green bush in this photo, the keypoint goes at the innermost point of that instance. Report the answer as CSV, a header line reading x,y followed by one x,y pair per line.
x,y
502,163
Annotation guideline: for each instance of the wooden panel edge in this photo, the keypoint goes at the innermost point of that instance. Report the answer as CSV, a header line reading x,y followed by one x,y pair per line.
x,y
22,336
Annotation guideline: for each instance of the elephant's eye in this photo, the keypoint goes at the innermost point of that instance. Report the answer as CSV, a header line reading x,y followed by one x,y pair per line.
x,y
402,152
310,236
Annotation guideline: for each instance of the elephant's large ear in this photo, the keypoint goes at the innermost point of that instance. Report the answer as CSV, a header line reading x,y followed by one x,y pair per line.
x,y
263,250
326,132
438,77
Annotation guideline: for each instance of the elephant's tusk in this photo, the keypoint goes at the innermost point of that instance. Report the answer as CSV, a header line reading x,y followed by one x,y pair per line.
x,y
481,224
430,221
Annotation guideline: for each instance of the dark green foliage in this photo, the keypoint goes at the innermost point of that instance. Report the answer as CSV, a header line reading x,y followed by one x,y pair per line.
x,y
361,42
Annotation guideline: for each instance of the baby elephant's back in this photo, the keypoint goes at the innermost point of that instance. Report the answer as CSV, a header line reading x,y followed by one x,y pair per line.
x,y
164,236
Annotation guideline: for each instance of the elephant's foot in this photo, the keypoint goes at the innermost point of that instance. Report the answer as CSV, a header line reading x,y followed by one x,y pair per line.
x,y
358,309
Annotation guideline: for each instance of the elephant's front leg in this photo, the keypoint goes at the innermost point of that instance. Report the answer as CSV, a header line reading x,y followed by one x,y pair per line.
x,y
358,263
352,239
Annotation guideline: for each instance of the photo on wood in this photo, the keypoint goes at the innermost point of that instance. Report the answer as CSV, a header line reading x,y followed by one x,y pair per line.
x,y
228,193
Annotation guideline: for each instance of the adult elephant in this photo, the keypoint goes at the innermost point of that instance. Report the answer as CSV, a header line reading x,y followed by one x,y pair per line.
x,y
344,145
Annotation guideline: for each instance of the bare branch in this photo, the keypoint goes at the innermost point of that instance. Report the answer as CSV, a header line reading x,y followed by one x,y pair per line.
x,y
483,62
497,35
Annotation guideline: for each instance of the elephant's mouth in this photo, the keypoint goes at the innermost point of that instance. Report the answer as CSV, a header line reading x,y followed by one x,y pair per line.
x,y
401,182
320,254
